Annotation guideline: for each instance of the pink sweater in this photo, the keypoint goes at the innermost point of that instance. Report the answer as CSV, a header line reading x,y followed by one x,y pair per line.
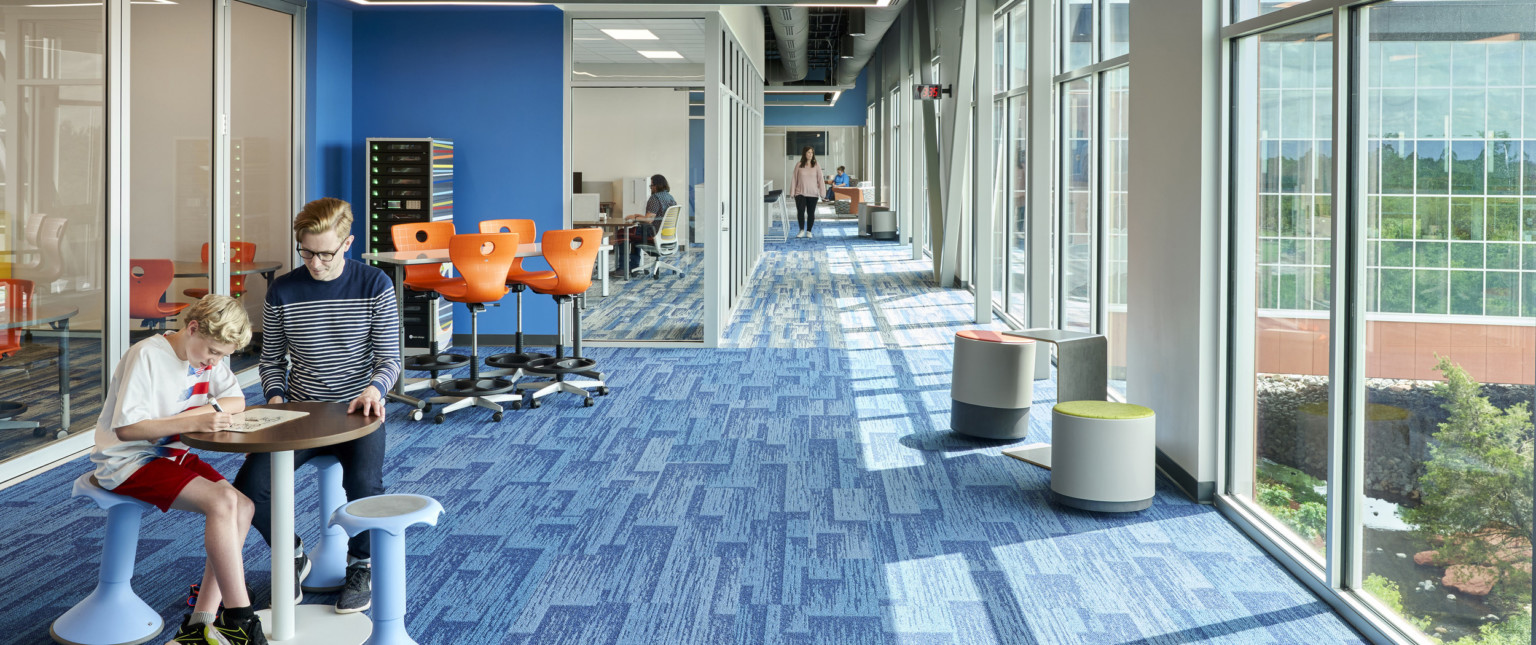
x,y
807,181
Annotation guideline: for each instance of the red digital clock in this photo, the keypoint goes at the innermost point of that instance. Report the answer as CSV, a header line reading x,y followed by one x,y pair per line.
x,y
928,92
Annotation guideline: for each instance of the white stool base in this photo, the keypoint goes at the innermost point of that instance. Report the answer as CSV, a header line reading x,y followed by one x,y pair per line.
x,y
321,625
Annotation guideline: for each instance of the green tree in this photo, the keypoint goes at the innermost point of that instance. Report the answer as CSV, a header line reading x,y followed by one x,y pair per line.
x,y
1476,488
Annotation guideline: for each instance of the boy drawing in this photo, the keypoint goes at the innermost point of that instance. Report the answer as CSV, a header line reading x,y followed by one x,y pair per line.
x,y
165,386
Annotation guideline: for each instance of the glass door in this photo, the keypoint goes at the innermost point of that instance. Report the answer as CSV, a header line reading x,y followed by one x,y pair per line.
x,y
260,152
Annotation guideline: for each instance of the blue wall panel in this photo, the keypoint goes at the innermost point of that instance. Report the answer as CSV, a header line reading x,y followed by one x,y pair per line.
x,y
489,80
328,118
851,109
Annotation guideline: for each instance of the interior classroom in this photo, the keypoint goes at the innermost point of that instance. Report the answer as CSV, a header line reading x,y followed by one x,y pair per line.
x,y
1294,278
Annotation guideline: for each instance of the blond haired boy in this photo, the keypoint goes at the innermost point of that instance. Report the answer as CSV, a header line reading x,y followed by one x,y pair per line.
x,y
165,386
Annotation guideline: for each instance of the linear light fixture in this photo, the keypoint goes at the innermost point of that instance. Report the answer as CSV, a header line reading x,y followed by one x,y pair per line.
x,y
1502,38
406,3
630,34
661,54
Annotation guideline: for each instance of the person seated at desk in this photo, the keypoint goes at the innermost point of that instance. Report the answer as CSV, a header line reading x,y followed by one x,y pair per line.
x,y
842,180
645,233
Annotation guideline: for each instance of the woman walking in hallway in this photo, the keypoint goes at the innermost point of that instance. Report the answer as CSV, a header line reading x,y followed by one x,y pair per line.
x,y
806,188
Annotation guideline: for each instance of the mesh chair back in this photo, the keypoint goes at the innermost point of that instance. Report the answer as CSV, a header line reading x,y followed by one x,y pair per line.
x,y
50,248
666,238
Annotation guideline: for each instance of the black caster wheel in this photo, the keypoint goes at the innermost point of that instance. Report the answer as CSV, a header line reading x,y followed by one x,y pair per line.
x,y
39,432
496,416
535,404
602,391
587,402
426,407
517,405
416,415
439,419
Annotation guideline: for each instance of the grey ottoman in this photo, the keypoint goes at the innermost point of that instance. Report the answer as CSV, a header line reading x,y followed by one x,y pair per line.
x,y
992,385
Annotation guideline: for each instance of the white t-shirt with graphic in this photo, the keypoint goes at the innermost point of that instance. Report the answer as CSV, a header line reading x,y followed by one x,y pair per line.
x,y
151,383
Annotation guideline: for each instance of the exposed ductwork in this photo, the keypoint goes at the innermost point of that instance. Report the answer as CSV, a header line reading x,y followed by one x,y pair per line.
x,y
876,22
791,28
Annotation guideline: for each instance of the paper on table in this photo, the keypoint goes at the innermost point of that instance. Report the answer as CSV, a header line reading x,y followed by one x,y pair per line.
x,y
262,418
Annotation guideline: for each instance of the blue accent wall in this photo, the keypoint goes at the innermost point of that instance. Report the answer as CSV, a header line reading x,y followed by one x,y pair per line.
x,y
851,109
490,80
328,117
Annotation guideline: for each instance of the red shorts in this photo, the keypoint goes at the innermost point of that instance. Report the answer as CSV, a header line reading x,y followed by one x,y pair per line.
x,y
160,481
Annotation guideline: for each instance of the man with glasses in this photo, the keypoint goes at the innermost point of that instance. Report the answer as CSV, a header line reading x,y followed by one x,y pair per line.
x,y
331,333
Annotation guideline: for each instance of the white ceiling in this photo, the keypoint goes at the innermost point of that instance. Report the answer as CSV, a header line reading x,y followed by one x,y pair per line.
x,y
682,35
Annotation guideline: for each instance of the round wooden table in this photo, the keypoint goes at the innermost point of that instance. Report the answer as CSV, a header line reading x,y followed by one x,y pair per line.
x,y
327,424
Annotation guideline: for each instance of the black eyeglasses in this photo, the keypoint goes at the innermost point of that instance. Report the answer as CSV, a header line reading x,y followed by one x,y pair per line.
x,y
325,256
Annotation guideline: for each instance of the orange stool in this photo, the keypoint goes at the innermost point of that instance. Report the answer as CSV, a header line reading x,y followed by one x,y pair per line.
x,y
426,279
484,272
239,253
511,365
571,254
147,282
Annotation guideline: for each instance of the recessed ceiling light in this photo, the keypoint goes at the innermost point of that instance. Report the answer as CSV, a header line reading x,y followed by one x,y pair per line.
x,y
630,34
662,54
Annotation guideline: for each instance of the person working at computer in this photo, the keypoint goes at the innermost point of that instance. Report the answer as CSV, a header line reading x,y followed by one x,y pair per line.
x,y
841,180
650,221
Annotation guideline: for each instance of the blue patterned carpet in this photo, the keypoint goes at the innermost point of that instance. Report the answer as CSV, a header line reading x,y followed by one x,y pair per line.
x,y
799,487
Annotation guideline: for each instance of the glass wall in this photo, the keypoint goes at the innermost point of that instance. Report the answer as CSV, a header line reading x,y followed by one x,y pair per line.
x,y
261,190
1290,158
52,242
1011,180
1430,521
1450,196
1092,210
171,104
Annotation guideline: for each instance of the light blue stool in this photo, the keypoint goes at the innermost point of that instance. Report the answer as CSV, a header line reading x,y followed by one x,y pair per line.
x,y
328,557
388,516
113,614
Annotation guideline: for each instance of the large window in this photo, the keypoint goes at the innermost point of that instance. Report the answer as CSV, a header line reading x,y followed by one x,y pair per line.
x,y
1092,210
1010,106
1384,354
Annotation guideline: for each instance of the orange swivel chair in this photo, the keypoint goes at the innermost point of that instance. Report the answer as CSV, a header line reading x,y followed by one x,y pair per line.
x,y
511,365
18,301
147,282
239,253
484,280
425,279
571,253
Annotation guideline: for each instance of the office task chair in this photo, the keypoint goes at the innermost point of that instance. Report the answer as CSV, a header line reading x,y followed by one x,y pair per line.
x,y
511,365
18,302
484,281
571,253
665,244
239,253
147,282
420,286
50,248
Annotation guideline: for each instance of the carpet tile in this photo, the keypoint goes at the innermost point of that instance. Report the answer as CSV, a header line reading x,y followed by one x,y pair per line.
x,y
799,486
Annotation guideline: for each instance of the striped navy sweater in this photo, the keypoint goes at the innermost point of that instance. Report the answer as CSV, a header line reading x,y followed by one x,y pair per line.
x,y
326,341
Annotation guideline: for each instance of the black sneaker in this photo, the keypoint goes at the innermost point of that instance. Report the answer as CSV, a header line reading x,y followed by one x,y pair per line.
x,y
301,567
357,595
236,632
188,633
